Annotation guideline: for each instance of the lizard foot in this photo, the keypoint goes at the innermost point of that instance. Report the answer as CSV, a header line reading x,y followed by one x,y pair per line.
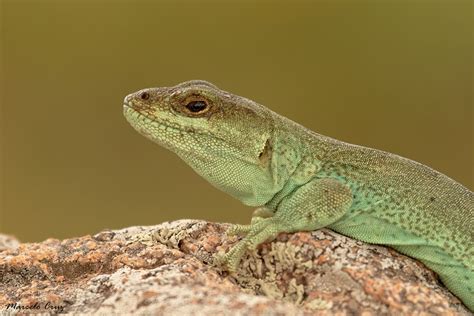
x,y
258,232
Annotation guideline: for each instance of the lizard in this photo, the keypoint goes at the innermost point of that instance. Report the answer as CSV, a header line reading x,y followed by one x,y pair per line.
x,y
299,180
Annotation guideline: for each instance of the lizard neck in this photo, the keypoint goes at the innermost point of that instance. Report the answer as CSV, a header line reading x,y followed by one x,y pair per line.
x,y
294,159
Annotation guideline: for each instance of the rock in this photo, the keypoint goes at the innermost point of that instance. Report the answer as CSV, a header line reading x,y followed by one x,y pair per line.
x,y
8,242
167,270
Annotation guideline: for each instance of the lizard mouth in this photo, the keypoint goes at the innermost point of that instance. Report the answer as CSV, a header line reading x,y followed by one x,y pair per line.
x,y
156,128
137,118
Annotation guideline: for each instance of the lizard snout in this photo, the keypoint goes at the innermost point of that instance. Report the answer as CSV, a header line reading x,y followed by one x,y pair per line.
x,y
127,100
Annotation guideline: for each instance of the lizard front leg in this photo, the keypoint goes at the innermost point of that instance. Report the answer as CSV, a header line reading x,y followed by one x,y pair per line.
x,y
314,205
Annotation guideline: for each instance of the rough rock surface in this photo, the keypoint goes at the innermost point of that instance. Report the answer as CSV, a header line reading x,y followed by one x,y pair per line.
x,y
167,270
8,242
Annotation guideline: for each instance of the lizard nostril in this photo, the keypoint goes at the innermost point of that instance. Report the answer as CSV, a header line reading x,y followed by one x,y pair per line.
x,y
144,96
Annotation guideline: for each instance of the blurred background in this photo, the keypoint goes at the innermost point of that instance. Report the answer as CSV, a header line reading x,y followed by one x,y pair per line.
x,y
394,75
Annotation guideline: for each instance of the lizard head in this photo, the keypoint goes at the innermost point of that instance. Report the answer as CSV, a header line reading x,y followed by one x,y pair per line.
x,y
223,137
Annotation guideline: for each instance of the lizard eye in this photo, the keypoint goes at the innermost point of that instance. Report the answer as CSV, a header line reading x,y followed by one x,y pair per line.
x,y
196,106
144,96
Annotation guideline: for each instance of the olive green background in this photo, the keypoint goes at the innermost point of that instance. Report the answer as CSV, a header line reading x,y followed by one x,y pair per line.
x,y
394,75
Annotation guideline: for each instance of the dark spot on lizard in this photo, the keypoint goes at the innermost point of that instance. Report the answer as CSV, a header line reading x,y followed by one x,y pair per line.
x,y
432,199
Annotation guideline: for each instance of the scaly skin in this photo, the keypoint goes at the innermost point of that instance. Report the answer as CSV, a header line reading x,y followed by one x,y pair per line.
x,y
303,181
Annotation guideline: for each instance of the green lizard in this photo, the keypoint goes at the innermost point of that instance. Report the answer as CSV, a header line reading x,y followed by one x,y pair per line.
x,y
303,181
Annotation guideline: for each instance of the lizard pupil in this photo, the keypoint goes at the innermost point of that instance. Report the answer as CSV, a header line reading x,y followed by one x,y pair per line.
x,y
196,106
144,96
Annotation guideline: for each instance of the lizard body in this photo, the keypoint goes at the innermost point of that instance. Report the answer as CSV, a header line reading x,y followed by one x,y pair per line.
x,y
303,181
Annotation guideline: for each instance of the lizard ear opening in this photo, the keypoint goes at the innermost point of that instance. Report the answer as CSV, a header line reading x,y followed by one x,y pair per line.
x,y
265,155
